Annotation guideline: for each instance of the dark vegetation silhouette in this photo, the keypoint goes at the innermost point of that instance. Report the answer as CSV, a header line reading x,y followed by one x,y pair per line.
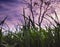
x,y
30,35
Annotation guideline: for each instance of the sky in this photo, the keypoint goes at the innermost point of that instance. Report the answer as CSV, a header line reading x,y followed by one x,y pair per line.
x,y
13,9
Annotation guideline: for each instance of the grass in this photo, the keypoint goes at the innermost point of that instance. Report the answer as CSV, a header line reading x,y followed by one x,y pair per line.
x,y
32,38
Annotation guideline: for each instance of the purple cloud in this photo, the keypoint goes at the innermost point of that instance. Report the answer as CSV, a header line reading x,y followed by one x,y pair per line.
x,y
13,9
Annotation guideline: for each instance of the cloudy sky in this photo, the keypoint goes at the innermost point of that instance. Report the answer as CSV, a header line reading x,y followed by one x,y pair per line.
x,y
13,9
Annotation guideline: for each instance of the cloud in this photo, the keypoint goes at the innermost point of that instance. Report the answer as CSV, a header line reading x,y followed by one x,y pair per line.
x,y
12,9
8,1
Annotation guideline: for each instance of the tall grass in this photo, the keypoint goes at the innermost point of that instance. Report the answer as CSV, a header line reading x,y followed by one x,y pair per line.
x,y
32,37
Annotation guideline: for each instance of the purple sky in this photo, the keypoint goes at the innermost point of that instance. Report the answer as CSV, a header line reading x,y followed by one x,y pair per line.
x,y
13,9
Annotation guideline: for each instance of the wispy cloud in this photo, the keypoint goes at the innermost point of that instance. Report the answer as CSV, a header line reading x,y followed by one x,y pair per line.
x,y
12,9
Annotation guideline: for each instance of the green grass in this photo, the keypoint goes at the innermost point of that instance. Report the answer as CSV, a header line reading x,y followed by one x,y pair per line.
x,y
32,38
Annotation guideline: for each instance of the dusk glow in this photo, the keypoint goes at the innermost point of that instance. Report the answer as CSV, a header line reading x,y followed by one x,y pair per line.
x,y
14,10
